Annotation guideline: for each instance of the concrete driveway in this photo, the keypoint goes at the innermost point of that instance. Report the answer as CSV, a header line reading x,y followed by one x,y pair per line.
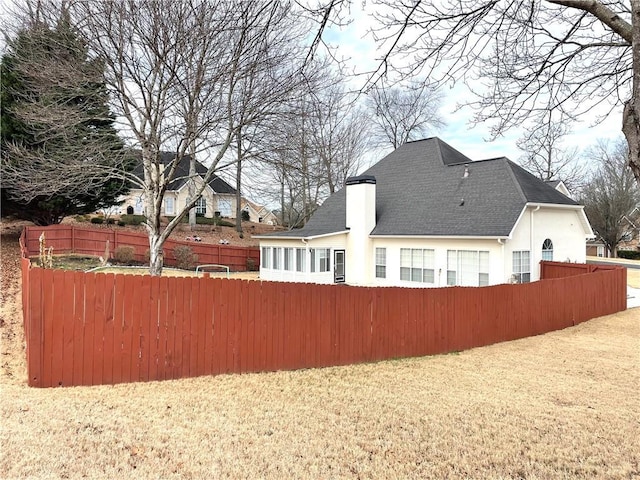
x,y
633,297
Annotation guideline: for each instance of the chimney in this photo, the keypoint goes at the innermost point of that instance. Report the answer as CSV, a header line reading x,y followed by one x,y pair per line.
x,y
361,204
360,220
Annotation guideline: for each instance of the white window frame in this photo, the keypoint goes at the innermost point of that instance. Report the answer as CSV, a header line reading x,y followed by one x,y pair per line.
x,y
288,259
417,265
169,206
301,257
547,250
320,260
266,257
276,258
468,268
381,262
521,266
201,206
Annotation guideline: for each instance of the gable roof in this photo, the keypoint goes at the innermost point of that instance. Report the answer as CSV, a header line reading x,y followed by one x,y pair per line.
x,y
422,190
217,184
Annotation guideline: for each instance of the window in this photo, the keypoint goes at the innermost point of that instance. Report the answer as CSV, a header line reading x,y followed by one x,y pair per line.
x,y
381,263
288,258
521,266
266,257
138,208
169,206
417,265
324,257
276,258
320,259
547,250
300,259
201,206
468,268
224,207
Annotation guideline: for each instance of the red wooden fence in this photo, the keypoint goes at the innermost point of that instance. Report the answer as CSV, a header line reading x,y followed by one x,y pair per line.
x,y
91,241
91,329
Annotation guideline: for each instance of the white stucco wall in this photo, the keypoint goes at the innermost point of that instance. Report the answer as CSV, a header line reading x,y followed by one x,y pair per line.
x,y
332,242
562,226
440,247
180,199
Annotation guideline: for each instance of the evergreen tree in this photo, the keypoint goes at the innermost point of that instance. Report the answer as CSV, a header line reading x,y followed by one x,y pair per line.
x,y
55,123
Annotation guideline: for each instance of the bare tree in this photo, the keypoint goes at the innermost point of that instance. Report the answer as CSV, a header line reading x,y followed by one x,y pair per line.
x,y
338,134
403,113
316,144
520,57
174,73
612,196
274,80
545,157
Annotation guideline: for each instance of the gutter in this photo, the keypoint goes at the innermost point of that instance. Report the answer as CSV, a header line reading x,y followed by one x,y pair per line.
x,y
298,237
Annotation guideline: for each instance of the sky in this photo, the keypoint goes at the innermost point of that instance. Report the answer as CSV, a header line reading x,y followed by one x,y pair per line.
x,y
359,51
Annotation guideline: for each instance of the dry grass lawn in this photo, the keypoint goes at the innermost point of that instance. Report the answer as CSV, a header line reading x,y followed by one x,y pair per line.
x,y
175,272
633,277
563,405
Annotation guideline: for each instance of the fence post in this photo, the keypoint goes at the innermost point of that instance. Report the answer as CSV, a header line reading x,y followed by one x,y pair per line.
x,y
73,239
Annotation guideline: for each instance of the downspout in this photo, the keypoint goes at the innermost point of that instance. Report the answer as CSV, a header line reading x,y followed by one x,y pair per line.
x,y
307,266
504,263
531,241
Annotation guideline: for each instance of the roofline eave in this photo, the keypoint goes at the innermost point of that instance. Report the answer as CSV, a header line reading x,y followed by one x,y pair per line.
x,y
299,237
436,237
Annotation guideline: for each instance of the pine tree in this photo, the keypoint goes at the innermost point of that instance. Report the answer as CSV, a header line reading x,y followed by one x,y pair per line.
x,y
56,123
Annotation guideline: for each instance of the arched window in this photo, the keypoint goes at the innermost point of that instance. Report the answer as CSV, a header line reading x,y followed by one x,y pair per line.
x,y
547,250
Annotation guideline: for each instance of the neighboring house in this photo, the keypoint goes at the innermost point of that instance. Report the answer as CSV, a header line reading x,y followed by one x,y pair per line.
x,y
258,213
428,216
595,248
218,197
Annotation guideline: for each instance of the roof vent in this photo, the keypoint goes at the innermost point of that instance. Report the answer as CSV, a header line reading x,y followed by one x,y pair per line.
x,y
461,202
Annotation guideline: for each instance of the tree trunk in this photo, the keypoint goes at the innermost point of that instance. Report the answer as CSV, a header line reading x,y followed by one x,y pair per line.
x,y
282,218
156,255
239,183
631,115
152,205
192,185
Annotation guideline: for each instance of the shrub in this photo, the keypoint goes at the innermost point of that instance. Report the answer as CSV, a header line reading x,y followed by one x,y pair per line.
x,y
629,254
132,219
111,221
121,223
252,265
214,221
124,254
185,258
97,220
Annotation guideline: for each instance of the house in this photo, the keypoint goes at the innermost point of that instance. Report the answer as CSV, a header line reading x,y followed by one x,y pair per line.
x,y
428,216
596,248
258,213
218,196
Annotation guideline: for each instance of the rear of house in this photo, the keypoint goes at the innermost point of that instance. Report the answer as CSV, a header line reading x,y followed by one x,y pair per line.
x,y
428,216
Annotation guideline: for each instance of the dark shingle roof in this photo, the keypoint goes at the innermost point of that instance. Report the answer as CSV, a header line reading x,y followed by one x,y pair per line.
x,y
421,190
182,172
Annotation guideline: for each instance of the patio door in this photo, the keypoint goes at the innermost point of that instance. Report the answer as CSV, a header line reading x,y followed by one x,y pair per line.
x,y
338,266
